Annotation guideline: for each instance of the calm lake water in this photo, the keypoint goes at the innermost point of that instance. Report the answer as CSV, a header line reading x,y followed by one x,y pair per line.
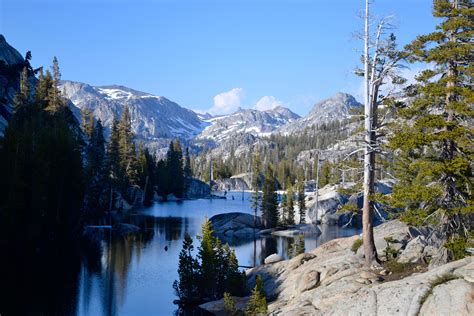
x,y
133,275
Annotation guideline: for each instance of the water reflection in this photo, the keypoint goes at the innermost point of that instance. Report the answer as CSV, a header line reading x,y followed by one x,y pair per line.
x,y
128,275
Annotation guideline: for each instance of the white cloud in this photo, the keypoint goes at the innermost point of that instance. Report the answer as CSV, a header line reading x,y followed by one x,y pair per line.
x,y
267,103
227,102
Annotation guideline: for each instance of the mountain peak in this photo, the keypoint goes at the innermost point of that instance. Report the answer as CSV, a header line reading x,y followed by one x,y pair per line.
x,y
339,102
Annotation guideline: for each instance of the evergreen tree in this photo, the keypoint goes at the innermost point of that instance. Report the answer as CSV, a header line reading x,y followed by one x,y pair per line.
x,y
325,174
207,257
257,304
95,171
434,143
301,201
147,173
174,164
54,95
229,305
162,178
256,168
187,286
188,173
269,206
290,205
128,161
284,209
115,171
87,122
41,166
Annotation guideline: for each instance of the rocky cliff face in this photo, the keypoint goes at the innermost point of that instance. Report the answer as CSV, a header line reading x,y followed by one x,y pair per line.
x,y
153,117
11,65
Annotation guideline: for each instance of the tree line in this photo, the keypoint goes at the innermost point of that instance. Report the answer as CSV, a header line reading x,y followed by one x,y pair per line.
x,y
59,174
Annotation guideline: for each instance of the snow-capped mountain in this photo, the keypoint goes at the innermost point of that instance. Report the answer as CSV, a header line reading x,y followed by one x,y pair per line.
x,y
338,107
246,121
153,117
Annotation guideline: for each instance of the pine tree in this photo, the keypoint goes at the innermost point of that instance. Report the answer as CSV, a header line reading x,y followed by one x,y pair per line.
x,y
87,122
55,101
147,173
174,170
325,174
187,286
207,257
115,172
435,160
301,201
284,209
229,305
256,168
269,206
257,304
41,167
127,149
290,205
95,171
188,173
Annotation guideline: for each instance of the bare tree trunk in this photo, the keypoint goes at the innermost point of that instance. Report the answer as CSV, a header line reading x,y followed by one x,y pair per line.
x,y
369,156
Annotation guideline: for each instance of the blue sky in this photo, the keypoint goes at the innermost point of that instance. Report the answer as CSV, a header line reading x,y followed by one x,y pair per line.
x,y
215,55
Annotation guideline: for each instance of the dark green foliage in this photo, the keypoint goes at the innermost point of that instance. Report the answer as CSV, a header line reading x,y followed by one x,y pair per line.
x,y
325,174
146,173
188,268
170,172
434,161
95,172
269,206
288,207
290,204
214,272
188,172
390,252
258,301
113,156
127,150
41,166
301,201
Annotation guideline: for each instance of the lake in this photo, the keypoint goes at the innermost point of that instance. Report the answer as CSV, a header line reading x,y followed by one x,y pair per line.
x,y
133,275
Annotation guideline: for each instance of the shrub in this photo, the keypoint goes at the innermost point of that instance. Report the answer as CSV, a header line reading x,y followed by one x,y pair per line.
x,y
457,246
356,245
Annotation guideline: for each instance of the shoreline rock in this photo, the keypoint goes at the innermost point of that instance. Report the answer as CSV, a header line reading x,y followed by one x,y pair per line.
x,y
333,280
236,224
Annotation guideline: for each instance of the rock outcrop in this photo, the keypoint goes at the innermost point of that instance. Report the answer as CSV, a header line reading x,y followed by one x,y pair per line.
x,y
239,225
196,189
330,201
332,280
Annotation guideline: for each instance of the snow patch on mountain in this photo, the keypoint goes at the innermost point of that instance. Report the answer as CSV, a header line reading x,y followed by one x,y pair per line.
x,y
153,117
246,121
